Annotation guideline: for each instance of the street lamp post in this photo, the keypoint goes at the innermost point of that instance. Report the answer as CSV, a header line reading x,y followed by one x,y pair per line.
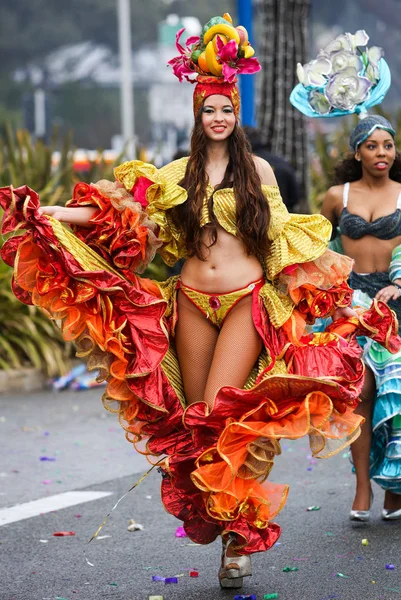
x,y
244,10
126,93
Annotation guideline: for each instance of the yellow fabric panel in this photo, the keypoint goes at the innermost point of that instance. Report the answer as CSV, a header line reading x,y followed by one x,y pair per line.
x,y
278,305
294,238
302,239
162,195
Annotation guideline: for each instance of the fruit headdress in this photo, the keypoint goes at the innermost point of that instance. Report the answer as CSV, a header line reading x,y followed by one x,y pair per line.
x,y
217,56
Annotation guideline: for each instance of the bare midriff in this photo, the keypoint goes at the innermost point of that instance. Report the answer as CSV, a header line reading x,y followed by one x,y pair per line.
x,y
227,267
371,255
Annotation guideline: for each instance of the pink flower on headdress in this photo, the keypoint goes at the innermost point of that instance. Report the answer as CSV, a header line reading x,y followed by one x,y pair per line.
x,y
182,64
232,65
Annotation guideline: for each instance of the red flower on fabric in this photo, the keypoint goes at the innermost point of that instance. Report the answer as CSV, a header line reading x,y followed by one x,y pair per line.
x,y
214,302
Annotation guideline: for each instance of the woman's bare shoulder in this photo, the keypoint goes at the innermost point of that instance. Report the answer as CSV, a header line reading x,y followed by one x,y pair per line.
x,y
334,194
264,171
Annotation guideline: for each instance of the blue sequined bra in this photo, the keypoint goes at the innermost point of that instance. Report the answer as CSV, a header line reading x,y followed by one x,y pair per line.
x,y
383,228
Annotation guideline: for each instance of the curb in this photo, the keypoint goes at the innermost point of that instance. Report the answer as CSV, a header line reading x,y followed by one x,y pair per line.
x,y
29,379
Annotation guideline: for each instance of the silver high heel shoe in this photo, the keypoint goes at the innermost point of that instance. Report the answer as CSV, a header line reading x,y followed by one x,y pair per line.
x,y
361,515
391,515
233,568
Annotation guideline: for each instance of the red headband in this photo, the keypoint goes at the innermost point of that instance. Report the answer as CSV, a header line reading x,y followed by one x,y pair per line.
x,y
208,86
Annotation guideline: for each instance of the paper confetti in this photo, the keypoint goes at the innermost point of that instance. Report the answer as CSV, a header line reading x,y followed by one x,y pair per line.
x,y
157,578
341,575
171,580
180,532
310,508
288,569
155,597
245,597
135,526
193,574
63,533
390,567
270,596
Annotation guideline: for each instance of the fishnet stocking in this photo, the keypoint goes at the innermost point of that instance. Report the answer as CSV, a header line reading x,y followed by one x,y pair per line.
x,y
237,349
210,359
195,341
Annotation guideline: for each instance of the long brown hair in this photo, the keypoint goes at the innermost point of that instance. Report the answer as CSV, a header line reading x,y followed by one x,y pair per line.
x,y
252,209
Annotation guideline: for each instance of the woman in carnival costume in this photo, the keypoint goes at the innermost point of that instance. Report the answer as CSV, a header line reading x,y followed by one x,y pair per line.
x,y
364,208
208,370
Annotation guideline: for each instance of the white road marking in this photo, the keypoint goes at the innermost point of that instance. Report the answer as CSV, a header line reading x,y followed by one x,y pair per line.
x,y
45,505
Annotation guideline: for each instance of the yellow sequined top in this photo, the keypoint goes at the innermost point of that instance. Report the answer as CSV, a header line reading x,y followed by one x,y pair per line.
x,y
294,238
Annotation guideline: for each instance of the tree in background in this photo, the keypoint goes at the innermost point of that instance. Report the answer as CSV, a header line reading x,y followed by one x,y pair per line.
x,y
283,45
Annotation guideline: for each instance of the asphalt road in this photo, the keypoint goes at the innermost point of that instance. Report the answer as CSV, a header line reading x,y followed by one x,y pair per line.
x,y
92,454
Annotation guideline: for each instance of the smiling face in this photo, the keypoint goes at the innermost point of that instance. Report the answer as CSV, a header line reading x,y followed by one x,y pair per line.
x,y
218,118
377,153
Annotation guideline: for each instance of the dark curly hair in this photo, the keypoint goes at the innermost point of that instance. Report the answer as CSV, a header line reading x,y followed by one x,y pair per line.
x,y
252,209
350,169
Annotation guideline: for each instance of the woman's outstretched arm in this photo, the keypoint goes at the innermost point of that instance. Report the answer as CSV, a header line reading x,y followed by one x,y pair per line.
x,y
79,215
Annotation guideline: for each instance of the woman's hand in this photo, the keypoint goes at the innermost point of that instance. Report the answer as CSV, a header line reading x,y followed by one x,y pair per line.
x,y
341,313
391,292
79,215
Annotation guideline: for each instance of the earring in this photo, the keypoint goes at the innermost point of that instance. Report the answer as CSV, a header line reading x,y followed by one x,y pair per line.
x,y
358,159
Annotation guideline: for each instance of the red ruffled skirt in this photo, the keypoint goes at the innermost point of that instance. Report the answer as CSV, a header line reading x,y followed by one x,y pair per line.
x,y
216,462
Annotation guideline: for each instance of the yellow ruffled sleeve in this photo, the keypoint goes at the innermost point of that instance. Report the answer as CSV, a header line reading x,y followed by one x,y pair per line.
x,y
294,238
158,191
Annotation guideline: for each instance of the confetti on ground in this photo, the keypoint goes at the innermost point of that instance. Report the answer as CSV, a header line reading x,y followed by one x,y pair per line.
x,y
157,578
341,575
288,569
48,458
312,508
46,481
63,533
365,542
180,532
135,526
300,558
171,580
103,537
149,498
330,534
270,596
245,597
393,590
193,544
193,574
61,598
114,584
390,567
155,597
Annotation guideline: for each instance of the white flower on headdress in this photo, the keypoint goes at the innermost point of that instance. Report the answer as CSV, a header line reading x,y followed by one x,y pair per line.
x,y
360,38
342,60
347,42
346,89
319,102
373,54
315,72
